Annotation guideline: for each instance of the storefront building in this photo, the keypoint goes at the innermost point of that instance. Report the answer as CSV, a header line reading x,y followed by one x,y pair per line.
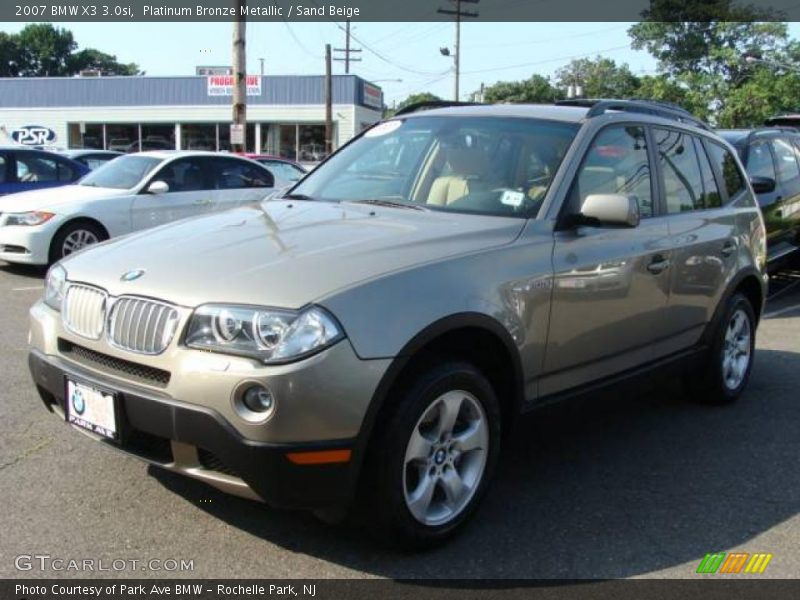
x,y
285,114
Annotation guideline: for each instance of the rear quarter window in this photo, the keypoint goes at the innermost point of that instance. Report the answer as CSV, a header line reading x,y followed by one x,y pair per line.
x,y
725,163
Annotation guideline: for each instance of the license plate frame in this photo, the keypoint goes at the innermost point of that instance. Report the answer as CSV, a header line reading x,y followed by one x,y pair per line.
x,y
92,408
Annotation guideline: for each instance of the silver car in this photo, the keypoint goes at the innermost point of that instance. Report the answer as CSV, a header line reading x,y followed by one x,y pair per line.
x,y
368,338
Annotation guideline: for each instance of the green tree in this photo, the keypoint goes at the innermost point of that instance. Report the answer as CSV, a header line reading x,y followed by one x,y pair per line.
x,y
412,99
9,55
535,89
600,78
44,50
700,45
765,94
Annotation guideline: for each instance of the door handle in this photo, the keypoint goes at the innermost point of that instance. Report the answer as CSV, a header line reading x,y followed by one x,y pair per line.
x,y
202,202
728,248
658,264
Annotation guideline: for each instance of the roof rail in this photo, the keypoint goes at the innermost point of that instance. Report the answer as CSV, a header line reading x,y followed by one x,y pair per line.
x,y
429,104
649,107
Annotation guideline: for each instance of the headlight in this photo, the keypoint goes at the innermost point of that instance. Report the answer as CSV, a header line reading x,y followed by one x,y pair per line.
x,y
28,218
54,287
270,335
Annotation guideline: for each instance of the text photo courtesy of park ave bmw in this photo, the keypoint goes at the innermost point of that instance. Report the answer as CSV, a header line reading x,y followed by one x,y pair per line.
x,y
452,298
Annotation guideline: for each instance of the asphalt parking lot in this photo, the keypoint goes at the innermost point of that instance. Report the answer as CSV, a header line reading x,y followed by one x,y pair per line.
x,y
631,484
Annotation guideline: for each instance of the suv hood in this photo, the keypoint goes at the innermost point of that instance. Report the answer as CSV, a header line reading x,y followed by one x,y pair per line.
x,y
282,254
52,198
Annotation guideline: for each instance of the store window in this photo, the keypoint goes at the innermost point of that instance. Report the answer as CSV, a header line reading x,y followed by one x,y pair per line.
x,y
199,136
122,137
311,140
92,136
158,136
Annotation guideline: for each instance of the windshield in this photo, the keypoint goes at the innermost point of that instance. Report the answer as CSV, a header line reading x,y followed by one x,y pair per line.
x,y
484,165
122,173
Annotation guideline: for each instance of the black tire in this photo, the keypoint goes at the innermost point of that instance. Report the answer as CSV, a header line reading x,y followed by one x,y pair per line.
x,y
91,230
387,474
709,384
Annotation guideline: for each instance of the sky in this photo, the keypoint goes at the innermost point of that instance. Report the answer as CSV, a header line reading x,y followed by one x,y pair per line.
x,y
402,58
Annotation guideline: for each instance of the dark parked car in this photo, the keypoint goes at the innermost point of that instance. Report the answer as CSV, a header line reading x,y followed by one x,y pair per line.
x,y
771,156
92,158
25,169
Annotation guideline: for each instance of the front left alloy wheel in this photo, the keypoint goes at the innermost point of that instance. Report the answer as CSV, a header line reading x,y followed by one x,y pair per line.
x,y
437,454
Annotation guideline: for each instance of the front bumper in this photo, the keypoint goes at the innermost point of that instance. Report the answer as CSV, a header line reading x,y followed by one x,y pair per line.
x,y
199,443
25,245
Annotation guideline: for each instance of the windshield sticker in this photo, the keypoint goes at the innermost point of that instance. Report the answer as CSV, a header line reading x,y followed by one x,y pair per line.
x,y
512,198
383,128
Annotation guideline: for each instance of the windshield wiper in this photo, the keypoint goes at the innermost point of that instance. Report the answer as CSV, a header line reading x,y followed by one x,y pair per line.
x,y
392,203
296,197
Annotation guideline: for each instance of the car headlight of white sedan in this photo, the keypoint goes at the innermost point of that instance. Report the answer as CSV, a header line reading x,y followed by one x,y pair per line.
x,y
267,334
33,218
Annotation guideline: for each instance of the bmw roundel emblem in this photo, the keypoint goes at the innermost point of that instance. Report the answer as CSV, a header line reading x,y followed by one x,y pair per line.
x,y
78,403
132,275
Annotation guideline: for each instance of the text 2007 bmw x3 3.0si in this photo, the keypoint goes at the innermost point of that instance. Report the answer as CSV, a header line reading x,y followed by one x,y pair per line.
x,y
369,336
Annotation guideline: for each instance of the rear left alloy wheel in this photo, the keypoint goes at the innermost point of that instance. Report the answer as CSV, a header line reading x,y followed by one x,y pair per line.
x,y
727,367
439,452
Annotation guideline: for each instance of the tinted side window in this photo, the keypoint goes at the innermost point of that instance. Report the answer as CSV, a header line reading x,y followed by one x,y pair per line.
x,y
726,164
759,161
34,169
616,163
788,170
680,168
184,175
235,174
712,198
3,169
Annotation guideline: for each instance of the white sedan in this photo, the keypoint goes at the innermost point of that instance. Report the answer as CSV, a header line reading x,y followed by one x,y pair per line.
x,y
130,193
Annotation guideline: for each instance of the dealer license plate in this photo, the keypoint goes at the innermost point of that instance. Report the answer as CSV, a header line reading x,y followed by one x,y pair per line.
x,y
92,409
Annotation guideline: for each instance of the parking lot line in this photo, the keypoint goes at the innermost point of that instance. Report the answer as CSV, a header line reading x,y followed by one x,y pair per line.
x,y
27,289
782,311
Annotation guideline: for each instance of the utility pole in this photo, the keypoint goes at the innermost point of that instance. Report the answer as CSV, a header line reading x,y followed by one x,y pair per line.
x,y
238,137
261,60
347,50
328,102
458,14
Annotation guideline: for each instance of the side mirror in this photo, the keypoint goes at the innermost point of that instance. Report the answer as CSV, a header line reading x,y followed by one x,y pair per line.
x,y
762,185
158,187
611,209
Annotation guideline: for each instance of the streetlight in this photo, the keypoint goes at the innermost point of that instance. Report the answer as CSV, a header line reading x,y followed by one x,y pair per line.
x,y
753,59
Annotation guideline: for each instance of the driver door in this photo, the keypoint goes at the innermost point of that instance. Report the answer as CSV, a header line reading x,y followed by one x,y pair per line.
x,y
611,283
191,192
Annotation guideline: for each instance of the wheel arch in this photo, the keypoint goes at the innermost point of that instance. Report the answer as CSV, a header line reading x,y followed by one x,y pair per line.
x,y
73,221
492,350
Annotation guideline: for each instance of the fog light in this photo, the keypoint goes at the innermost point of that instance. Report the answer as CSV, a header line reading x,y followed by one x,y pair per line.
x,y
253,402
258,399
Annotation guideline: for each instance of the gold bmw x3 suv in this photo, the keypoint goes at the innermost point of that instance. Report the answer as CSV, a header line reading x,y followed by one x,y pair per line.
x,y
369,335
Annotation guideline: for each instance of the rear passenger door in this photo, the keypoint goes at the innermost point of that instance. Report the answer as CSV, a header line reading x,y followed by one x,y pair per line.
x,y
610,284
697,177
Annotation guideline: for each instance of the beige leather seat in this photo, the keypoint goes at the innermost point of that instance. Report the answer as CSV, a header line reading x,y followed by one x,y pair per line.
x,y
467,166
